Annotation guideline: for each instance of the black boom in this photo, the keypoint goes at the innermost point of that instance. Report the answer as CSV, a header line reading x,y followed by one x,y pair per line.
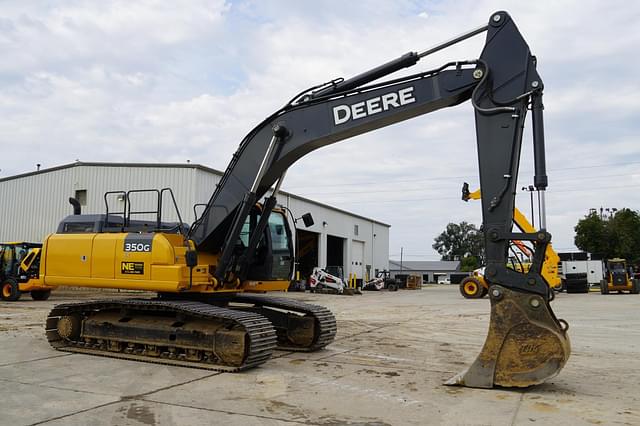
x,y
501,84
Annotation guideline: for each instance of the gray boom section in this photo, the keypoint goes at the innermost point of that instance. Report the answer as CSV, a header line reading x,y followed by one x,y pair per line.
x,y
312,125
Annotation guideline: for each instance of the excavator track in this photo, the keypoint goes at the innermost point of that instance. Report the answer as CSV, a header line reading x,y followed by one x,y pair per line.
x,y
173,332
301,327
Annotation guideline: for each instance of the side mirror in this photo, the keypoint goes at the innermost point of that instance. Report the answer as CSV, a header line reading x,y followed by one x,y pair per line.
x,y
307,219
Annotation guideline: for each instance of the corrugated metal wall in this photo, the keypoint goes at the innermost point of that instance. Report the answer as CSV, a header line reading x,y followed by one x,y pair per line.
x,y
32,206
98,180
205,185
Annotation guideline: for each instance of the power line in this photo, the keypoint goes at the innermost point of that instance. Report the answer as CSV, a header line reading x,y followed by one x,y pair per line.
x,y
396,201
377,182
366,192
415,254
568,179
591,189
626,163
309,194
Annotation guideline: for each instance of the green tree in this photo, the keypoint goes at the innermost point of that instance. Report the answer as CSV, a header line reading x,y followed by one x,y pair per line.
x,y
624,229
469,263
592,234
615,236
461,241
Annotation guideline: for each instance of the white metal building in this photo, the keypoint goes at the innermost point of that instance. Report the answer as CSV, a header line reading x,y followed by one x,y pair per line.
x,y
431,270
32,204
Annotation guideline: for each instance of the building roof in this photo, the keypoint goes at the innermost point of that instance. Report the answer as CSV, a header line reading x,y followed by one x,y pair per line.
x,y
178,165
425,265
105,164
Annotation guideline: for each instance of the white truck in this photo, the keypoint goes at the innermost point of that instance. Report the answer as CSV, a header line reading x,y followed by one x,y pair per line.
x,y
579,274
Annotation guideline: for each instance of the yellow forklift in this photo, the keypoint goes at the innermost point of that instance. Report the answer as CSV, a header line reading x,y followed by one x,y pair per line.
x,y
617,278
20,271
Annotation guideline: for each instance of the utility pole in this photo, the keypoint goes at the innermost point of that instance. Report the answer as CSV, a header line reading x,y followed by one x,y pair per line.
x,y
530,190
401,253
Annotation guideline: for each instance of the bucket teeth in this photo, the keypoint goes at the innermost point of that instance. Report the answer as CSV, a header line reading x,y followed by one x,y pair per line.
x,y
525,346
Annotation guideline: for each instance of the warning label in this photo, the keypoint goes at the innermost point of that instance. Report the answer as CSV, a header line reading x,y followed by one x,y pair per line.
x,y
135,268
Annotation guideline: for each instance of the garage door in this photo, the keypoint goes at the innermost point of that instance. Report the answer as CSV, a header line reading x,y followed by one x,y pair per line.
x,y
357,258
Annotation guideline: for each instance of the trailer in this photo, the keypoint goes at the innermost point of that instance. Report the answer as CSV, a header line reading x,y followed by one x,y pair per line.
x,y
579,271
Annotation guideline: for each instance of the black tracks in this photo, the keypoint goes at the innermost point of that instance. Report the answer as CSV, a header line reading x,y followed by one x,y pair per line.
x,y
325,322
261,334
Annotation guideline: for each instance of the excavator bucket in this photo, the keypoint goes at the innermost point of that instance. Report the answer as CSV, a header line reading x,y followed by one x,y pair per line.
x,y
525,346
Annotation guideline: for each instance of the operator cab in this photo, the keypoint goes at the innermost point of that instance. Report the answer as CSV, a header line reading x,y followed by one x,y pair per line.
x,y
273,257
618,271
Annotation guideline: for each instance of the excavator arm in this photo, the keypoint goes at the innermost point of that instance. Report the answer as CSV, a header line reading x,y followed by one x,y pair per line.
x,y
526,343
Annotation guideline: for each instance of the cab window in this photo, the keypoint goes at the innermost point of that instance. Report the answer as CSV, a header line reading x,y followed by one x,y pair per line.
x,y
244,233
278,230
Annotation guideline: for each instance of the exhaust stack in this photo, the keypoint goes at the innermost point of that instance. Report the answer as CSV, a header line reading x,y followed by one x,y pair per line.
x,y
76,206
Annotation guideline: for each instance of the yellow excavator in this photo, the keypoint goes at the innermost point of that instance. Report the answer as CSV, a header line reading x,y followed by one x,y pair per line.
x,y
206,314
475,286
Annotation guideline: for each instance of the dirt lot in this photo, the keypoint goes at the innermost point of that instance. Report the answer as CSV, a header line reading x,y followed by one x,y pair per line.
x,y
392,353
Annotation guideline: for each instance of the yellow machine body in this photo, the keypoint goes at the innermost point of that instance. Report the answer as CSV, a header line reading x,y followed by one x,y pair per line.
x,y
33,284
617,278
29,259
152,262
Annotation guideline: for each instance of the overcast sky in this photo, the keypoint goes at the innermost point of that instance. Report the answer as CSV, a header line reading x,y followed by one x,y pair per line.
x,y
174,81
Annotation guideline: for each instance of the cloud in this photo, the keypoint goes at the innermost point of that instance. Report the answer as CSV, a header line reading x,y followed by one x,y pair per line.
x,y
159,82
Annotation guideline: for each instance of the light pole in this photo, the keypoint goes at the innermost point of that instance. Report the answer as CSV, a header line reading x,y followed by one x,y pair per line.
x,y
607,213
611,212
530,190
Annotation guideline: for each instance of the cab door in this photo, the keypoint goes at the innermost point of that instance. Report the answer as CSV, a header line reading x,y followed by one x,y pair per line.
x,y
281,247
273,257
